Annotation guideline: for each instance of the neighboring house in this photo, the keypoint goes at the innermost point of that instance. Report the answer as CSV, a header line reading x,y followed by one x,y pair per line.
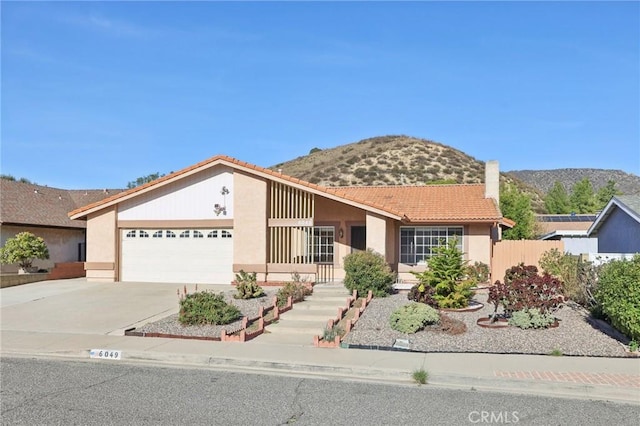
x,y
617,227
572,229
43,211
207,222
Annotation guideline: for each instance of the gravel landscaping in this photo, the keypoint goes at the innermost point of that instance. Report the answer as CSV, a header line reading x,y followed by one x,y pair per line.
x,y
248,307
573,336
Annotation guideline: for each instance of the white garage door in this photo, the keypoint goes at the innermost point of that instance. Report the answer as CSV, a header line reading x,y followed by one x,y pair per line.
x,y
177,256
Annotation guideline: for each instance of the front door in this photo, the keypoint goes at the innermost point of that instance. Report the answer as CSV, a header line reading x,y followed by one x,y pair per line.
x,y
358,238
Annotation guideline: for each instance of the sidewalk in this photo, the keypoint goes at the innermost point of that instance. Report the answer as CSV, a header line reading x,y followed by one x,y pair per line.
x,y
585,378
68,318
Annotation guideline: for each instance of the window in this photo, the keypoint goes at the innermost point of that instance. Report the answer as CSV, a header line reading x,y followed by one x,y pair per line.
x,y
417,243
197,234
226,234
131,234
185,234
212,234
171,234
143,234
323,238
157,234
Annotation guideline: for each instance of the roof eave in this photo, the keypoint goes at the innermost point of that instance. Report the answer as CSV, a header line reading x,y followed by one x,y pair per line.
x,y
83,212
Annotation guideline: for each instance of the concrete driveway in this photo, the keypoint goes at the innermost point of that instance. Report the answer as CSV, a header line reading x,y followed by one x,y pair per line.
x,y
76,306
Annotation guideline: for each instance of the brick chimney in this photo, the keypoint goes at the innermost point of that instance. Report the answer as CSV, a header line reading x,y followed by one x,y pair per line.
x,y
492,180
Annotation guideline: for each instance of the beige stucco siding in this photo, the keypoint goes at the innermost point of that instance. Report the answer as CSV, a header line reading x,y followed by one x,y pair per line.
x,y
62,244
250,220
477,243
342,215
102,243
377,234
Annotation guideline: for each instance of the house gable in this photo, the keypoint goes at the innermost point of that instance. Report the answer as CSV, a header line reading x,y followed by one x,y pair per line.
x,y
203,196
618,225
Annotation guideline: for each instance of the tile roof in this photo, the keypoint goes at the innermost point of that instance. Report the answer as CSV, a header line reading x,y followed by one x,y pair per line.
x,y
428,203
453,203
29,204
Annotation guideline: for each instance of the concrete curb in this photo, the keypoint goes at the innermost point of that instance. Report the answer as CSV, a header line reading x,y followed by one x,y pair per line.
x,y
396,377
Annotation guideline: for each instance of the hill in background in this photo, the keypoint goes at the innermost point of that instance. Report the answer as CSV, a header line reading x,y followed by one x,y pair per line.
x,y
405,160
385,160
394,160
543,180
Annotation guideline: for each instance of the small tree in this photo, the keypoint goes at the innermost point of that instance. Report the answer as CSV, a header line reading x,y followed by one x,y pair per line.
x,y
23,249
583,198
557,200
445,274
144,179
606,193
516,205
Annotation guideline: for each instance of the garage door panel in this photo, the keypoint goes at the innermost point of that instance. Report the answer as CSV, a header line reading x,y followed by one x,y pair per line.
x,y
181,260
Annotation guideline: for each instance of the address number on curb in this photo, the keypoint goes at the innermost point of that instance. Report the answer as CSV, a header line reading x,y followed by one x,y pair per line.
x,y
105,354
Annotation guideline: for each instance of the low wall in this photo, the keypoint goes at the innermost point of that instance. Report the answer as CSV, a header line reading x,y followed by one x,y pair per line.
x,y
67,270
10,280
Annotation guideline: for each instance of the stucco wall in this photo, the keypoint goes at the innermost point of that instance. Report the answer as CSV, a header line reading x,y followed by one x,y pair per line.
x,y
619,233
342,215
477,243
62,244
377,234
250,222
102,243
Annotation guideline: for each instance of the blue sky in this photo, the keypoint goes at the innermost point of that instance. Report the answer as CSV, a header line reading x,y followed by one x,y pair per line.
x,y
97,94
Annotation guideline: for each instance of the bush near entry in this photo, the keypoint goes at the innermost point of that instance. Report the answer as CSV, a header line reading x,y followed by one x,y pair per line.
x,y
367,270
445,274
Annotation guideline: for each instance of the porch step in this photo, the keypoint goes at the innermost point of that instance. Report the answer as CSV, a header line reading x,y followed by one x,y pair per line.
x,y
309,315
308,318
310,328
309,305
320,298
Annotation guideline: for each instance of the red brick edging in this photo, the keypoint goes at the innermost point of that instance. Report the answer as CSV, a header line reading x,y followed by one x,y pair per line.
x,y
611,379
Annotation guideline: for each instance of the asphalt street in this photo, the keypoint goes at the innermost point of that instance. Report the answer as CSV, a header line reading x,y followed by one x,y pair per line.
x,y
108,392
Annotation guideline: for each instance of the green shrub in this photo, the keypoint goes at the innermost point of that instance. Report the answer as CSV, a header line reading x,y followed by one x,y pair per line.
x,y
23,249
618,295
205,307
420,376
423,294
297,292
531,318
446,269
247,286
577,276
330,334
478,271
367,270
413,317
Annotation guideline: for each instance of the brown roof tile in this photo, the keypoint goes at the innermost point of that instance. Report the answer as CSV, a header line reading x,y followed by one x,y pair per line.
x,y
428,203
28,204
435,203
